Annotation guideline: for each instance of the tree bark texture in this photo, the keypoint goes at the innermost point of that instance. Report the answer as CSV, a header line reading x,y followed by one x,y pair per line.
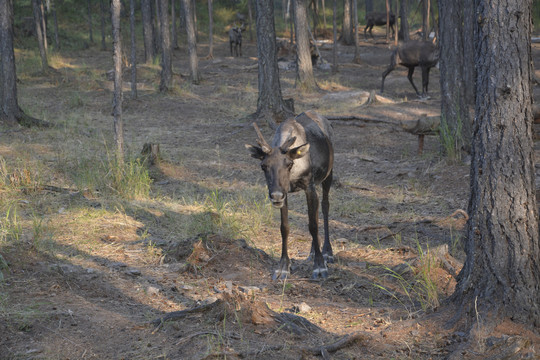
x,y
192,41
148,31
356,58
166,59
469,72
8,77
347,31
425,19
55,22
453,108
270,102
39,34
501,275
334,30
117,93
305,77
404,24
174,27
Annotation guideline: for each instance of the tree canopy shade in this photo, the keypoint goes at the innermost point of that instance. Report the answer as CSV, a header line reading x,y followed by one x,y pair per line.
x,y
501,275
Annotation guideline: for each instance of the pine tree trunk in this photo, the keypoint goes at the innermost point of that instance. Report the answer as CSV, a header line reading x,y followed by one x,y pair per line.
x,y
305,77
469,72
44,25
346,31
39,34
9,107
356,58
55,21
270,103
166,60
404,25
334,29
148,31
501,275
103,15
192,42
425,19
117,94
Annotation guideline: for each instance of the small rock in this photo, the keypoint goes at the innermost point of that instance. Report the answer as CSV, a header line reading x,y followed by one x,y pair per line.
x,y
249,290
152,290
186,287
133,272
301,308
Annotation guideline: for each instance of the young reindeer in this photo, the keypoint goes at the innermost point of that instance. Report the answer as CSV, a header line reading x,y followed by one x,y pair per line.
x,y
300,157
412,54
235,40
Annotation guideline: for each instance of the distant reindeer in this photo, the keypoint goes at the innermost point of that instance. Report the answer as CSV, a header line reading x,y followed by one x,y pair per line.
x,y
378,19
300,157
412,54
235,40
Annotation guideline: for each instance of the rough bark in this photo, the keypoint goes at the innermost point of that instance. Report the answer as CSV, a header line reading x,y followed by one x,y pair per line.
x,y
117,93
404,25
192,41
334,29
347,31
356,58
8,78
501,275
148,31
55,22
305,78
469,73
166,60
425,19
270,103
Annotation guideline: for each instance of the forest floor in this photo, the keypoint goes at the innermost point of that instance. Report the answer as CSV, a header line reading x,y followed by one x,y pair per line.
x,y
88,271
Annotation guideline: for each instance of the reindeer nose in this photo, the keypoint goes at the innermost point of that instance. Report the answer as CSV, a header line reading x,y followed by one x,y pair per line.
x,y
277,198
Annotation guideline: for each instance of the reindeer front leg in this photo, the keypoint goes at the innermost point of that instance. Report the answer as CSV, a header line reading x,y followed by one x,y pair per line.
x,y
284,263
319,267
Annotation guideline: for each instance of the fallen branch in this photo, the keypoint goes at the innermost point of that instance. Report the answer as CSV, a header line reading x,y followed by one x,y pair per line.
x,y
340,344
360,118
176,315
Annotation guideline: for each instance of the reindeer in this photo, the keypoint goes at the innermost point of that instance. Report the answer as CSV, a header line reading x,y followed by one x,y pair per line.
x,y
412,54
235,40
379,19
301,156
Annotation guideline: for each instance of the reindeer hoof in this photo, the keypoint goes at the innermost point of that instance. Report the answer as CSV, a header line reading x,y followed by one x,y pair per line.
x,y
280,274
319,273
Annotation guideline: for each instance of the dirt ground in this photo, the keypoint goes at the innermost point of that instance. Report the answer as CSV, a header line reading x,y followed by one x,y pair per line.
x,y
396,220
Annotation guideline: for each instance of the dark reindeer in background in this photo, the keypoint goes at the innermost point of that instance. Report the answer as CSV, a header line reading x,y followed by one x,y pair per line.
x,y
412,54
300,157
235,40
378,19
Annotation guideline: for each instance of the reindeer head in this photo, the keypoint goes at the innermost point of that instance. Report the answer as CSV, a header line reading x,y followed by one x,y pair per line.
x,y
277,162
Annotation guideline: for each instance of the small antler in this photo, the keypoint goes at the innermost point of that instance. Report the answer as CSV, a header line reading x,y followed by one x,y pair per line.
x,y
261,141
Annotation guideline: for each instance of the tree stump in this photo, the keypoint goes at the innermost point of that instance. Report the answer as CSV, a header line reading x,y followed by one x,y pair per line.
x,y
425,125
151,154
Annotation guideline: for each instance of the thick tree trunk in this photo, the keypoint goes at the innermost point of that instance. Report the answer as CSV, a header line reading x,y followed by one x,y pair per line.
x,y
192,41
346,31
469,72
425,19
148,31
39,34
9,107
117,94
453,107
270,103
133,49
501,275
166,60
404,25
305,78
43,25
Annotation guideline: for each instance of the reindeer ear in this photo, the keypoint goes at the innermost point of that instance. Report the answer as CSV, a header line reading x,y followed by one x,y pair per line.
x,y
287,144
298,152
256,151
